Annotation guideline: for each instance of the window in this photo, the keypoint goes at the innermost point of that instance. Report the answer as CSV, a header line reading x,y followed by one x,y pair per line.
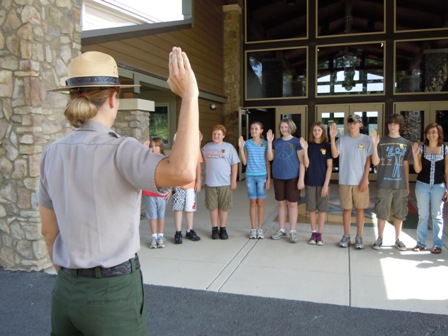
x,y
159,123
276,73
421,66
276,20
350,69
350,17
421,15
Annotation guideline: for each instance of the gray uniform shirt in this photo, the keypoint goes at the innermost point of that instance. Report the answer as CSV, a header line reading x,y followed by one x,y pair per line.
x,y
92,180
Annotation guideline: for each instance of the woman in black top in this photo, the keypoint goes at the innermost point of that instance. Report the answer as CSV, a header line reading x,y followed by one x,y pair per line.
x,y
431,164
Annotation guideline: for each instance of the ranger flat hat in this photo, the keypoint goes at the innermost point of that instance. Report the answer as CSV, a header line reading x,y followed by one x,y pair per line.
x,y
92,69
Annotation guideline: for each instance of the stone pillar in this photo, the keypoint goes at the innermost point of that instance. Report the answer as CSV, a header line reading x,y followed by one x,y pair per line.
x,y
232,69
37,41
133,118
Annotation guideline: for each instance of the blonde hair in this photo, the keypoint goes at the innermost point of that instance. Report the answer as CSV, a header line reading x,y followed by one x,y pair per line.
x,y
291,125
84,104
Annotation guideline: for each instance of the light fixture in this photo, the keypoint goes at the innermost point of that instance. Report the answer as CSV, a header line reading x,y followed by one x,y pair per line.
x,y
291,2
213,106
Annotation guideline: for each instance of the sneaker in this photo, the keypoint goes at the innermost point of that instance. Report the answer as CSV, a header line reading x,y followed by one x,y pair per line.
x,y
223,233
319,241
312,240
345,241
178,237
192,235
153,243
253,234
358,243
215,233
400,245
377,244
161,242
418,248
279,234
260,234
293,236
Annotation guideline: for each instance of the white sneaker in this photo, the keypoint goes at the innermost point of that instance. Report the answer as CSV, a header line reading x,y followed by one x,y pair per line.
x,y
278,234
161,242
253,234
153,243
359,245
293,236
260,234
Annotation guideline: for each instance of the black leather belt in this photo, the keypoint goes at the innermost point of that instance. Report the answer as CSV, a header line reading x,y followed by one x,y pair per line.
x,y
101,272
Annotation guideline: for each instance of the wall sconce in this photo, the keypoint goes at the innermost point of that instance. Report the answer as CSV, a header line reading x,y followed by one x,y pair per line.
x,y
213,107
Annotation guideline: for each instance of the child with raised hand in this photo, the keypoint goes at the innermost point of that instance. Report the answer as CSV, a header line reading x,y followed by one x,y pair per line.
x,y
319,164
253,155
288,172
354,151
155,204
184,202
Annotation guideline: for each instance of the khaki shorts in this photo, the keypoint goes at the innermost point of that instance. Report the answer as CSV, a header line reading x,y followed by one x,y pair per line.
x,y
350,197
218,198
391,203
314,200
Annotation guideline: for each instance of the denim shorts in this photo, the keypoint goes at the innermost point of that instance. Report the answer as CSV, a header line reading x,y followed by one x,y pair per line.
x,y
256,187
155,207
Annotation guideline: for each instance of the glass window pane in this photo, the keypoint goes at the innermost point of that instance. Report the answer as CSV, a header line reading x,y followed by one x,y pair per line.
x,y
329,118
349,17
421,66
369,121
418,14
350,69
442,120
414,125
158,123
276,20
276,73
297,118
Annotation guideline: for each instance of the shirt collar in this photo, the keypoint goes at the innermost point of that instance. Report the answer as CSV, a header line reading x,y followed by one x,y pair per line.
x,y
95,126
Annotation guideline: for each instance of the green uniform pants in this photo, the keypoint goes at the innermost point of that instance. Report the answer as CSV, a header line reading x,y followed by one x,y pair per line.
x,y
98,306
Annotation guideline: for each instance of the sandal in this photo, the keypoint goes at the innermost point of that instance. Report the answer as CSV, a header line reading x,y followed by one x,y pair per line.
x,y
418,248
436,250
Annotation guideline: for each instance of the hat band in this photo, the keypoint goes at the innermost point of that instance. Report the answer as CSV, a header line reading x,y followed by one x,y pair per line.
x,y
94,80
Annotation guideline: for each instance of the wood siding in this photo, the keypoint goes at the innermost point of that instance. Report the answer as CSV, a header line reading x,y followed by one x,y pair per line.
x,y
203,44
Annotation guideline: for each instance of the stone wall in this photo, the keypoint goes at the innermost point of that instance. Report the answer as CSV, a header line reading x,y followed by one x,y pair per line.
x,y
37,40
232,70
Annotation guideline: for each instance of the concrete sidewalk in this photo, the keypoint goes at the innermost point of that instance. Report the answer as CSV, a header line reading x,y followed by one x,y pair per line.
x,y
386,279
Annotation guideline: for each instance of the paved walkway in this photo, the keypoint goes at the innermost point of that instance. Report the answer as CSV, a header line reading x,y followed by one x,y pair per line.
x,y
386,279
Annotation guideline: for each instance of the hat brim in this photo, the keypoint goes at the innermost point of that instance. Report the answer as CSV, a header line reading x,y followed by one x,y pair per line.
x,y
68,88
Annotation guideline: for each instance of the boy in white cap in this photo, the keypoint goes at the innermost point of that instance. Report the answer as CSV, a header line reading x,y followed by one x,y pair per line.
x,y
354,150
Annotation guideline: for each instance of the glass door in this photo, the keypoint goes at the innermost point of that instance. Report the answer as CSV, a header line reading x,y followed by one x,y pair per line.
x,y
416,116
243,126
439,113
372,116
297,114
